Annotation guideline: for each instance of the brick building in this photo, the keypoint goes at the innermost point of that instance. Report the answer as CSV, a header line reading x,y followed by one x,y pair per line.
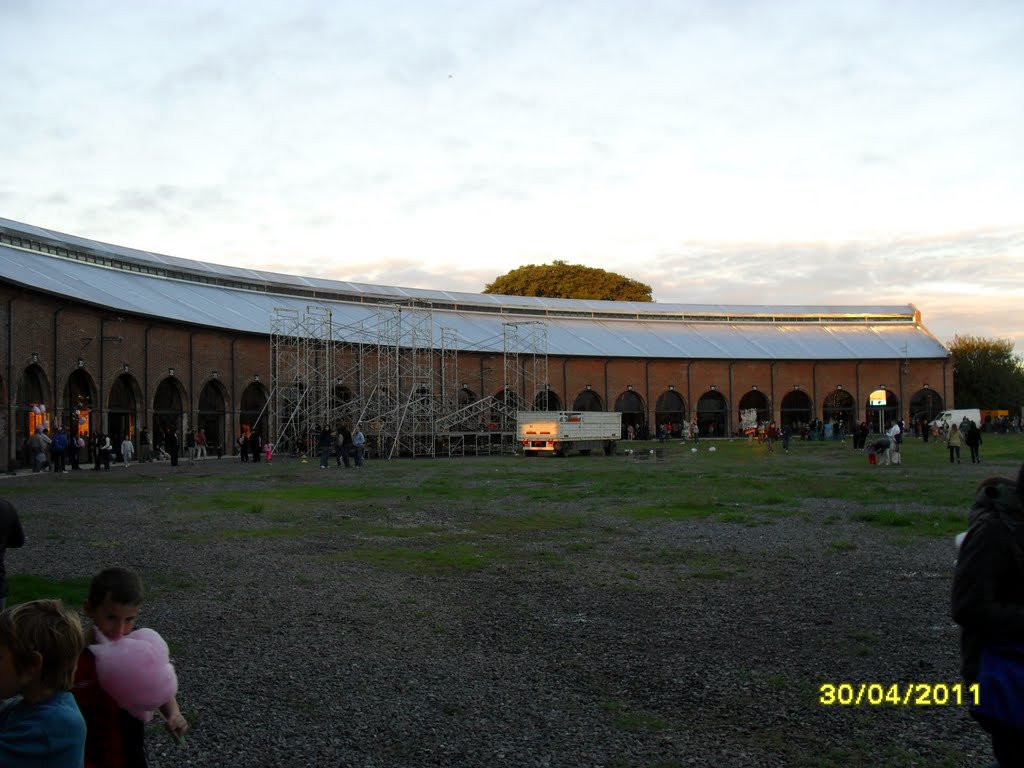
x,y
103,338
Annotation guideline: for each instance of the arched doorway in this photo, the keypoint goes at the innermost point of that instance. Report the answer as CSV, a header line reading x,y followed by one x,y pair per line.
x,y
212,416
757,401
795,410
466,396
670,409
634,414
253,406
546,400
122,410
168,412
341,403
29,410
503,418
838,406
77,407
712,414
925,404
587,400
883,408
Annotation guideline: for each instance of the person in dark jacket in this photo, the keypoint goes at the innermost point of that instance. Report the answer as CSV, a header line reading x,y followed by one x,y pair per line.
x,y
988,593
11,536
324,444
973,441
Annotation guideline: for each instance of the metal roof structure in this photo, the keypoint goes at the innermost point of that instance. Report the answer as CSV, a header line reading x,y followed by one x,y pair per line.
x,y
234,298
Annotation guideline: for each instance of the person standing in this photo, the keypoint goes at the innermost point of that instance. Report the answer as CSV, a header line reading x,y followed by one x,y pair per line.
x,y
11,537
106,448
953,442
145,452
359,443
988,599
324,445
190,446
76,444
344,445
243,446
38,445
973,441
58,450
127,451
255,446
171,445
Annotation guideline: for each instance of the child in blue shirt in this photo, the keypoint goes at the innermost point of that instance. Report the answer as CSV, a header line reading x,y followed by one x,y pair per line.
x,y
40,725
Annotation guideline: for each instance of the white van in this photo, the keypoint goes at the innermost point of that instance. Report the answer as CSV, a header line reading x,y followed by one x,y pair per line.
x,y
955,416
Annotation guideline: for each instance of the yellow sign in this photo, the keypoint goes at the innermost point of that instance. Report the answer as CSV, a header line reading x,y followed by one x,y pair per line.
x,y
877,397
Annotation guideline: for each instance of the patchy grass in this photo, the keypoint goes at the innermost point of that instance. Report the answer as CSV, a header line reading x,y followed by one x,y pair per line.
x,y
25,587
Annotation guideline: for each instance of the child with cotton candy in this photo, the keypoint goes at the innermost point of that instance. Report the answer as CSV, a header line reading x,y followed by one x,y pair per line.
x,y
124,676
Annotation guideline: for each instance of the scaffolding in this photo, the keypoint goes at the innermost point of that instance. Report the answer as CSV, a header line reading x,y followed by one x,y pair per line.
x,y
396,374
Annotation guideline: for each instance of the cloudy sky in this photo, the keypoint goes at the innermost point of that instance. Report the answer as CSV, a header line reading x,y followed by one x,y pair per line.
x,y
739,151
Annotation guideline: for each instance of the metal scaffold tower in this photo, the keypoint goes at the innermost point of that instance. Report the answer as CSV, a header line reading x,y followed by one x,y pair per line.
x,y
391,372
525,364
302,358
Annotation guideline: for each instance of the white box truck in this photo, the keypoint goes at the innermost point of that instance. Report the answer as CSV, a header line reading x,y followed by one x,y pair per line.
x,y
955,416
561,432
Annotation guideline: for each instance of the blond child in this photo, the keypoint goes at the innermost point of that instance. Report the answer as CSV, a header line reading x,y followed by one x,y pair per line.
x,y
40,724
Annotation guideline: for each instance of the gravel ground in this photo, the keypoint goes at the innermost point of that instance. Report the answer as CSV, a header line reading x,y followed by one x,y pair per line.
x,y
615,655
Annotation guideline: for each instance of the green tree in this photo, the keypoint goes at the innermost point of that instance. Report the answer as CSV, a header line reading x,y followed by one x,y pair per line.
x,y
986,373
559,280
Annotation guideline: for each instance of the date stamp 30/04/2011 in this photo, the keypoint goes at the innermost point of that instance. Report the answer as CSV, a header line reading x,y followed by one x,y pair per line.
x,y
898,694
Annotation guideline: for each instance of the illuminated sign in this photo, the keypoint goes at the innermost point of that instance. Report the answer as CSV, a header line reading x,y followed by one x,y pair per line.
x,y
877,397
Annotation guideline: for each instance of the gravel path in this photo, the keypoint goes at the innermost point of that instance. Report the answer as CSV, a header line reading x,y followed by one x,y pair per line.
x,y
686,643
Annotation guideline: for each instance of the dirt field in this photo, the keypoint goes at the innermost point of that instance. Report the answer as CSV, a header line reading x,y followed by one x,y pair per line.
x,y
593,611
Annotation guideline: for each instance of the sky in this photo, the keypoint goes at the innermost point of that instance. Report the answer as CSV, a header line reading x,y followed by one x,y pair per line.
x,y
721,151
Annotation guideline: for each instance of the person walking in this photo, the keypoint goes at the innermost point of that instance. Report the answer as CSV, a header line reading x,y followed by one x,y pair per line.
x,y
953,441
973,441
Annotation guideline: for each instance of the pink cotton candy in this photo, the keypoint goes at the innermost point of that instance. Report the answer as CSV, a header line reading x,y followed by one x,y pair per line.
x,y
136,671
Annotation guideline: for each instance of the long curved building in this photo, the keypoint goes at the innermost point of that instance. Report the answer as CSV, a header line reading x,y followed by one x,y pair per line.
x,y
106,339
